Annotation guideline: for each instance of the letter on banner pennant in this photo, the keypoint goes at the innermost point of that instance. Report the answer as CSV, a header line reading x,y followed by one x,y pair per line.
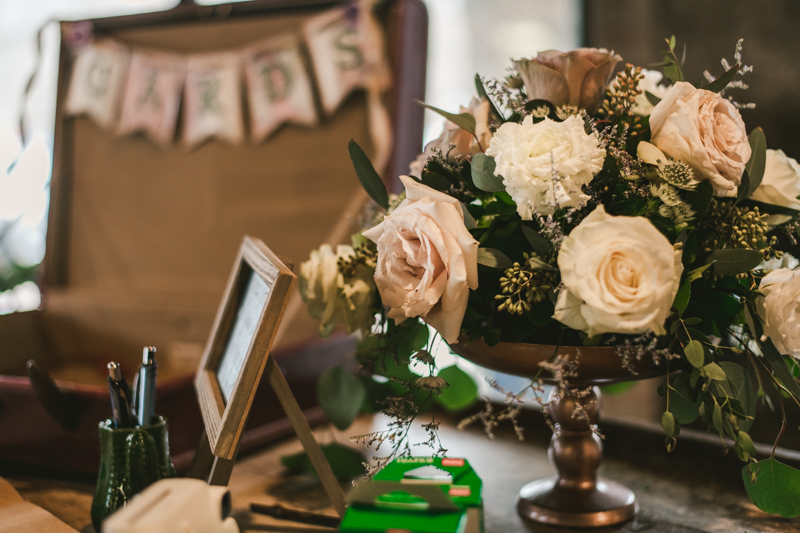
x,y
345,53
97,78
152,95
278,87
212,98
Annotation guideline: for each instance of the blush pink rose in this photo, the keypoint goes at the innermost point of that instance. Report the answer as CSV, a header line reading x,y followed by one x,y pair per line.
x,y
427,259
705,131
577,78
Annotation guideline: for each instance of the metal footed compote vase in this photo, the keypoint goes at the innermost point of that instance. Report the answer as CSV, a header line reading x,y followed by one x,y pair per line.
x,y
576,497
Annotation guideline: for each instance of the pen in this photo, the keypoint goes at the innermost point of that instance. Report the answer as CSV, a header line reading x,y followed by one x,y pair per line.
x,y
120,397
146,386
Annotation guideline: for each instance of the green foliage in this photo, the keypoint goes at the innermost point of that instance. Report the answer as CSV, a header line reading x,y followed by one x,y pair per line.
x,y
346,462
483,167
367,175
414,339
653,99
668,424
757,163
720,83
681,405
340,396
465,121
493,258
461,392
773,487
671,63
695,353
538,243
482,93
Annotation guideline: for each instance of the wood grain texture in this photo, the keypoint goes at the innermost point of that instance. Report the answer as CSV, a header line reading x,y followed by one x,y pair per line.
x,y
225,422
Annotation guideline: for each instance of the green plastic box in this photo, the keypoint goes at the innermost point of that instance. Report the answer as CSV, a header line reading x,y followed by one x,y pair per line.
x,y
418,495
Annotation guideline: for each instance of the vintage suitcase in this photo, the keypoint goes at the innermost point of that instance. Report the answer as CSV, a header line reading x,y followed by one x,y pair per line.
x,y
141,238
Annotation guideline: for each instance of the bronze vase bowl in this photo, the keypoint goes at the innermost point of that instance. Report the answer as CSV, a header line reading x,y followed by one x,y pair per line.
x,y
576,497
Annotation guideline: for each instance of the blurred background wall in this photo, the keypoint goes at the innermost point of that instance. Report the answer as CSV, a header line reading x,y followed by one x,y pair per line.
x,y
710,28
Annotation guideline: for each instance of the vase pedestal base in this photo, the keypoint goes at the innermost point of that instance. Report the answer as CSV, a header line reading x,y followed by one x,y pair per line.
x,y
605,504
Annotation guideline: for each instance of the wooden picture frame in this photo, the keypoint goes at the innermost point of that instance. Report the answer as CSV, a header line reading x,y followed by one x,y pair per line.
x,y
236,356
239,345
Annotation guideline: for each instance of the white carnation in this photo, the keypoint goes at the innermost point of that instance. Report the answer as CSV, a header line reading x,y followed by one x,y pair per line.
x,y
545,165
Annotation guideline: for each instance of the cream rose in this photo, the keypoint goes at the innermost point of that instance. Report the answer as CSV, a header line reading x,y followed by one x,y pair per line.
x,y
427,260
330,298
577,78
620,275
545,165
705,131
781,182
780,309
464,143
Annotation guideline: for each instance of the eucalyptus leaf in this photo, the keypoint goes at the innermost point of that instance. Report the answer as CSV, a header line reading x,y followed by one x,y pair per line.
x,y
367,175
469,221
412,340
741,388
483,167
537,242
746,442
461,392
653,99
682,298
482,92
714,372
743,189
732,261
776,489
700,198
720,83
694,353
716,418
668,424
680,403
697,273
757,163
465,121
340,396
493,258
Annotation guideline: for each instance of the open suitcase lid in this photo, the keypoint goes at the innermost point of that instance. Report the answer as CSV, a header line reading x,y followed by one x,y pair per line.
x,y
141,238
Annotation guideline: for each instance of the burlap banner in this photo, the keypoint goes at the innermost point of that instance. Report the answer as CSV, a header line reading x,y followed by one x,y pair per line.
x,y
143,91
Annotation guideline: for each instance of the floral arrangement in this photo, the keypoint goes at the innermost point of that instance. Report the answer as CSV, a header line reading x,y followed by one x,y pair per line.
x,y
576,203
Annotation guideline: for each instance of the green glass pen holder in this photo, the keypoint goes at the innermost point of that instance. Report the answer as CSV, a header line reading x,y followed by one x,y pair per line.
x,y
130,460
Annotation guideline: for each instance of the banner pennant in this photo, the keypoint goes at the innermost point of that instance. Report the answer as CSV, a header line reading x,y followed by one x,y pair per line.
x,y
278,87
152,95
97,78
212,99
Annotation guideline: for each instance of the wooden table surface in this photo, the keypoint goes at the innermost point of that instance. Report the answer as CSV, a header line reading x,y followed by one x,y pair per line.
x,y
691,490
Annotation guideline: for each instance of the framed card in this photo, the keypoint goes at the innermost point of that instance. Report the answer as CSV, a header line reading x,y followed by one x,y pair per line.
x,y
239,345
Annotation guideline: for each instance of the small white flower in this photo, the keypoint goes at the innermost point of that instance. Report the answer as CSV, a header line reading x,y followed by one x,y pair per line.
x,y
545,165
